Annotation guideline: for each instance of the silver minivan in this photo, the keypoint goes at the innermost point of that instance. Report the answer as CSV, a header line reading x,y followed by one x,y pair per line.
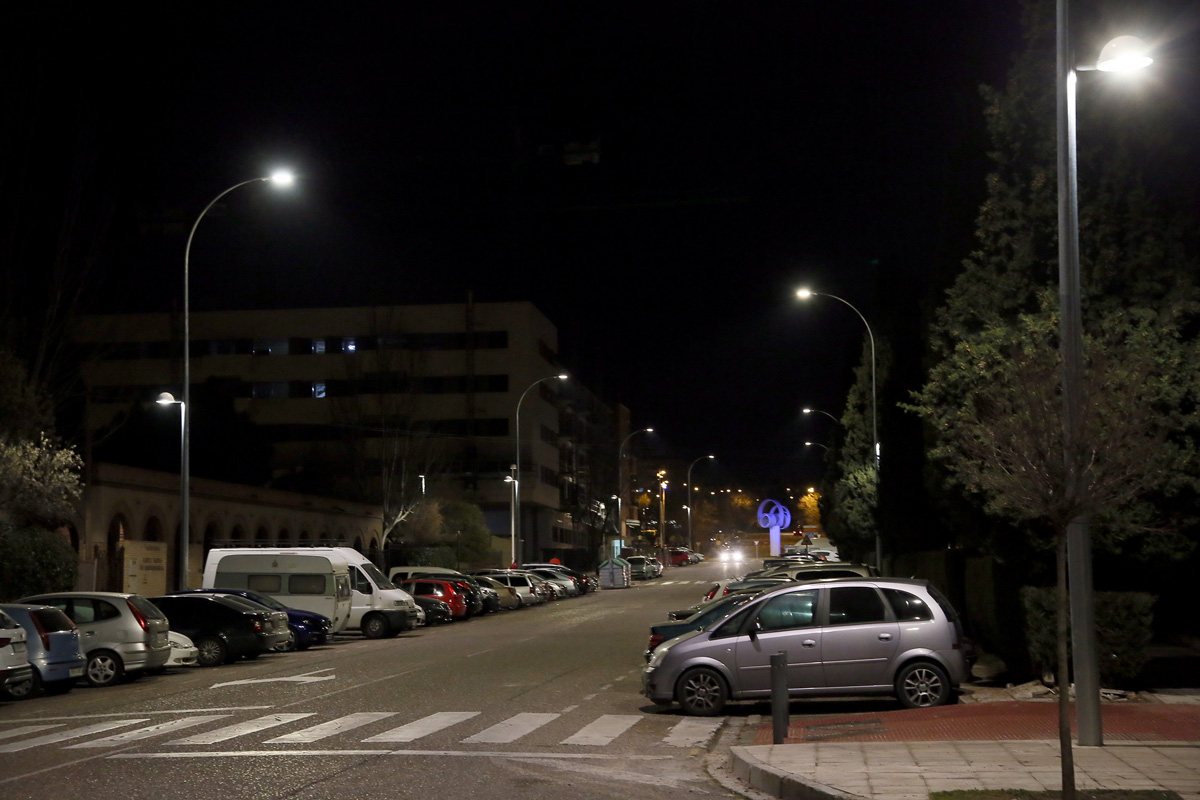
x,y
121,633
841,636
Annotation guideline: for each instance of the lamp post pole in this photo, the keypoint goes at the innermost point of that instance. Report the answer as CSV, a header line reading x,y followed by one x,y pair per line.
x,y
691,492
517,463
1121,54
511,479
621,478
281,178
804,294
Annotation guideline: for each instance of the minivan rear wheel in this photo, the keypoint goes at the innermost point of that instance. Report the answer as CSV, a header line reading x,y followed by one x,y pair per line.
x,y
701,692
104,668
922,685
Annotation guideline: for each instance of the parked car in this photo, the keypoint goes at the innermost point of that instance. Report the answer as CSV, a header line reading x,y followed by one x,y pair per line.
x,y
436,611
449,592
122,633
305,628
586,583
521,582
708,613
222,629
678,558
566,586
827,569
842,637
640,568
655,565
16,673
547,590
506,596
184,652
52,648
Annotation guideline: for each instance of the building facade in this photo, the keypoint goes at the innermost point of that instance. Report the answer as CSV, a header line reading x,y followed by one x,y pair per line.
x,y
386,403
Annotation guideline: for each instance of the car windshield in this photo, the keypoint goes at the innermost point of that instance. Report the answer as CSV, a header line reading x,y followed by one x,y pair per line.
x,y
373,572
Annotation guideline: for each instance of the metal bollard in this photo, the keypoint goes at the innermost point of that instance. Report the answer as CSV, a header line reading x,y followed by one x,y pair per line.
x,y
779,697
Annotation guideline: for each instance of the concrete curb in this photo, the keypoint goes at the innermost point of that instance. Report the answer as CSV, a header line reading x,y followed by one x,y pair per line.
x,y
759,775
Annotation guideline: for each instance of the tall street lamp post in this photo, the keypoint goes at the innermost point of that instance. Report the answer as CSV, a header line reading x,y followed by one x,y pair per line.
x,y
691,492
280,178
804,294
621,477
517,464
1121,54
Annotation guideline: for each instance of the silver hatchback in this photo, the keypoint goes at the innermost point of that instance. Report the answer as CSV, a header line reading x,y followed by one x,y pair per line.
x,y
122,634
845,636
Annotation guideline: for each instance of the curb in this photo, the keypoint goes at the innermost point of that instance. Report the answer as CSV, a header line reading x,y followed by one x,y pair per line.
x,y
757,774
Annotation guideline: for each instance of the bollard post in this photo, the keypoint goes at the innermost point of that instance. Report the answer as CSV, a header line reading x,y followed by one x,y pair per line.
x,y
779,697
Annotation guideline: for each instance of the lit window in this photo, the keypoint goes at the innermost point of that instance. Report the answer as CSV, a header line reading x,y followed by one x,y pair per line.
x,y
319,389
349,345
318,345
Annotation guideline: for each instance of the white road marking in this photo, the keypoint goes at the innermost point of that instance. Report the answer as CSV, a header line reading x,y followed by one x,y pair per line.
x,y
241,729
569,709
602,731
511,729
289,679
62,736
452,753
26,730
145,733
424,726
692,732
332,728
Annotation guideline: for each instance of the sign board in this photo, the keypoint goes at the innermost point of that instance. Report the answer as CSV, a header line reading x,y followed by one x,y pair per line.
x,y
145,568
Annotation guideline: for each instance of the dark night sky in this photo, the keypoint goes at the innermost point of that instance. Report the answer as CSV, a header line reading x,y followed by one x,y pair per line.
x,y
746,148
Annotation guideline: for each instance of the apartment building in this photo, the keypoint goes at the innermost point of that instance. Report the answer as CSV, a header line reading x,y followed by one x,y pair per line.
x,y
408,399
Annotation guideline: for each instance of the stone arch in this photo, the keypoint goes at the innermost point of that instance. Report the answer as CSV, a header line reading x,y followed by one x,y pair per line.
x,y
114,554
358,545
237,535
212,534
262,535
285,537
152,531
305,536
373,551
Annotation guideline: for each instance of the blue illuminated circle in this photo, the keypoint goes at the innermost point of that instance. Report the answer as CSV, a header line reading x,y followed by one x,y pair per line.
x,y
771,514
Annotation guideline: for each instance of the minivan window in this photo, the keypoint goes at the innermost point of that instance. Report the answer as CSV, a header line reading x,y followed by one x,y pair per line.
x,y
730,626
786,611
361,584
378,577
269,584
908,607
850,605
306,584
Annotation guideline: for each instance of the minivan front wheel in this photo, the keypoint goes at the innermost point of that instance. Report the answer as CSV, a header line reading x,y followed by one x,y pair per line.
x,y
375,626
922,685
701,692
104,668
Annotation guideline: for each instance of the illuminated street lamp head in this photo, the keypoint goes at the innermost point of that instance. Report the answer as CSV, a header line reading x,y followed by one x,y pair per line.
x,y
282,177
804,294
1124,54
165,399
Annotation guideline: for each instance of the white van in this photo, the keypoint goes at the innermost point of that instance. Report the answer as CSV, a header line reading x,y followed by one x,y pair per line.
x,y
339,579
397,574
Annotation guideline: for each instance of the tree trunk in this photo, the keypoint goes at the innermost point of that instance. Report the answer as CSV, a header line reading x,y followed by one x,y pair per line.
x,y
1063,677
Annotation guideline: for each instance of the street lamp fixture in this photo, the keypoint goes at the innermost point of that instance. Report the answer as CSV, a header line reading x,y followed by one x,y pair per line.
x,y
690,490
621,477
1121,54
804,294
517,464
280,178
819,411
816,444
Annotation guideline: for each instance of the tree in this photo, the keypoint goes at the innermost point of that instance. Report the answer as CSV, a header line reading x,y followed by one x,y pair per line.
x,y
993,397
463,526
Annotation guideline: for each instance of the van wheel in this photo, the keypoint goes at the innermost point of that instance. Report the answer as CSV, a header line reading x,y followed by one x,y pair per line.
x,y
701,692
104,668
374,626
922,685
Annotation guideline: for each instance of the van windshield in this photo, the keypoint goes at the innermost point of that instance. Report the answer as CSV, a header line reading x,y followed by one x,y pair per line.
x,y
375,575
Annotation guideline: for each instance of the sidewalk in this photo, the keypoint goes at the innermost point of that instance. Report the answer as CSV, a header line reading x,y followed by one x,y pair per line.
x,y
986,742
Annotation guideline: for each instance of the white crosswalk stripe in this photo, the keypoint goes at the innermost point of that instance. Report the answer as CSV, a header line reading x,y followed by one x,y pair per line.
x,y
692,732
62,736
511,729
424,726
603,730
240,729
599,732
326,729
147,732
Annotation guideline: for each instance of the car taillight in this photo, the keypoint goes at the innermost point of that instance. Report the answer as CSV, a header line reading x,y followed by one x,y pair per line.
x,y
42,632
137,614
257,624
711,593
725,592
655,640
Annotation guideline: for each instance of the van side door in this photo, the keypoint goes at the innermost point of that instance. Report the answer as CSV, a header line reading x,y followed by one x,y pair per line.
x,y
362,595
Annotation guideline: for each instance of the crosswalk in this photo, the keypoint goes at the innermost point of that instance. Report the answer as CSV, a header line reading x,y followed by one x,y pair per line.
x,y
357,728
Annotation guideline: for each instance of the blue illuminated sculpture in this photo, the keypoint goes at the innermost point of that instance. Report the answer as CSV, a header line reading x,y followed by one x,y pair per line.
x,y
773,515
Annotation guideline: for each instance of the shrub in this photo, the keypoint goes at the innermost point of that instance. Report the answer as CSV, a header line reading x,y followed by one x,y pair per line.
x,y
1124,624
34,560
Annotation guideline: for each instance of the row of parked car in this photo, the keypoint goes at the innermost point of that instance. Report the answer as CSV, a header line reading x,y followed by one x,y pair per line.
x,y
49,642
845,631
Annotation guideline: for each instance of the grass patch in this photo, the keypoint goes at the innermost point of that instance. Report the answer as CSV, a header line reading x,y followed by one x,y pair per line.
x,y
1025,794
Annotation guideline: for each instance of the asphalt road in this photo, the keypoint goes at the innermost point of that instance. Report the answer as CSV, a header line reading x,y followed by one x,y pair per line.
x,y
530,704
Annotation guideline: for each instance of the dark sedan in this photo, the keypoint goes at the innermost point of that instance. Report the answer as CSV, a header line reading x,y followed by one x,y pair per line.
x,y
436,611
222,631
305,628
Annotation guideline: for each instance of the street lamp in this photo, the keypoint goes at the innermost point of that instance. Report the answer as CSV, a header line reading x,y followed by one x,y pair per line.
x,y
804,294
1121,54
621,477
816,444
690,490
511,480
278,178
819,411
517,465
